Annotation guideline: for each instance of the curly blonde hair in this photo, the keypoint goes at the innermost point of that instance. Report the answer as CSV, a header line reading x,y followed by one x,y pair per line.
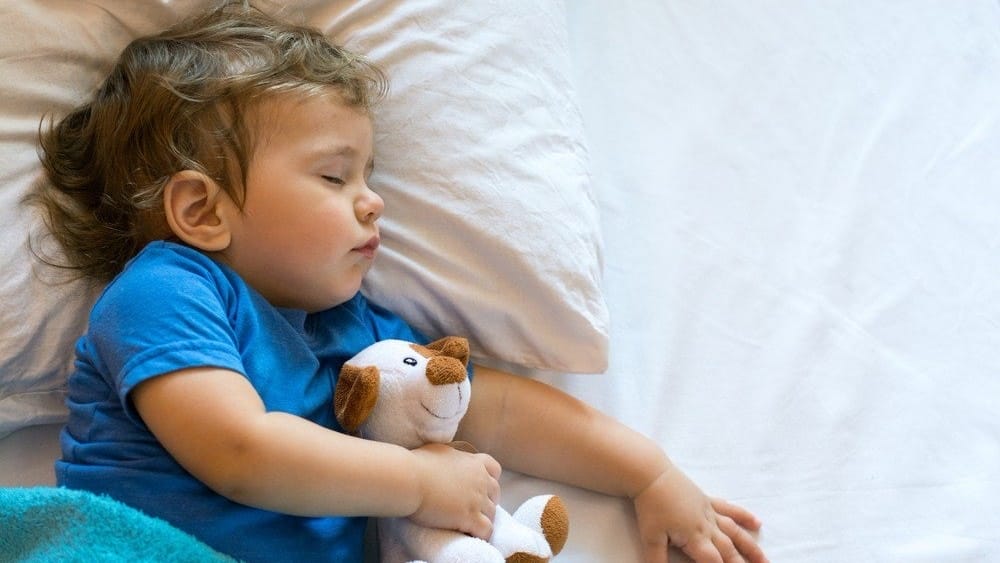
x,y
176,101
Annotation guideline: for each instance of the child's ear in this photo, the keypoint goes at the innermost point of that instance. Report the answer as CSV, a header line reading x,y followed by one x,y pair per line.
x,y
196,210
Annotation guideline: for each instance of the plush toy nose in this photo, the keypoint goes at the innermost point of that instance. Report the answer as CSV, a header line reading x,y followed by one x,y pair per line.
x,y
442,370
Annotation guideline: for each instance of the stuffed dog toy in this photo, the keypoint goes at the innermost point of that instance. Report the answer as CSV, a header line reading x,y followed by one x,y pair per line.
x,y
410,395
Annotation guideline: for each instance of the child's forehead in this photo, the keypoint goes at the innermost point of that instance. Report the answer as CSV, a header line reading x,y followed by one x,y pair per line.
x,y
309,127
295,102
304,112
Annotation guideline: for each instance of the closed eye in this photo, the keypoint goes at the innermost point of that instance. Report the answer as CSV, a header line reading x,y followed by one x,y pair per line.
x,y
334,180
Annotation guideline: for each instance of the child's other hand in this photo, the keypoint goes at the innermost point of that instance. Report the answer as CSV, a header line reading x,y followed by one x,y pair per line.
x,y
673,511
459,490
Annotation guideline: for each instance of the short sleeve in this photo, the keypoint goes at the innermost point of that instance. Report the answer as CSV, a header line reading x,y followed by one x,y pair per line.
x,y
165,313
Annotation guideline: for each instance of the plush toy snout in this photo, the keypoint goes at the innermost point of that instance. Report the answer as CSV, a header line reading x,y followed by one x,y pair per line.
x,y
442,370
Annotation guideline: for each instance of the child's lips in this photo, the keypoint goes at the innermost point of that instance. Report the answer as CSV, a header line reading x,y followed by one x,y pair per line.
x,y
369,249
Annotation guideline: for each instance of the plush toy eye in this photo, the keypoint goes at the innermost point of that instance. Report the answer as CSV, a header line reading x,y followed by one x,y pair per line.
x,y
410,361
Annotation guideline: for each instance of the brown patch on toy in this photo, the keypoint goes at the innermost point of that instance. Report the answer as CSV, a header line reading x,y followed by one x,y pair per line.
x,y
555,524
526,558
463,446
451,346
442,370
355,395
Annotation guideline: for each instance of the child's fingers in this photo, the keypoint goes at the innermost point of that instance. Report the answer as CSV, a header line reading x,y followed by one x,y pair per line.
x,y
491,464
702,550
493,469
489,509
727,549
741,540
481,527
740,515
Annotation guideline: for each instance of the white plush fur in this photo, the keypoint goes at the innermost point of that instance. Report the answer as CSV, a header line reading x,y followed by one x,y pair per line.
x,y
411,411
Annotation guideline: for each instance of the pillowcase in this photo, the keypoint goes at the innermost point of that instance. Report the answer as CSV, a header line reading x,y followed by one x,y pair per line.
x,y
491,228
52,55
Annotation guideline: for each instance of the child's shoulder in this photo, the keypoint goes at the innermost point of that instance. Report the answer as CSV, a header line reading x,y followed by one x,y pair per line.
x,y
168,253
163,269
163,259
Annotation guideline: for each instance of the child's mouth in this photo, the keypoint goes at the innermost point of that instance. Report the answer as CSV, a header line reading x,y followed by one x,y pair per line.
x,y
369,249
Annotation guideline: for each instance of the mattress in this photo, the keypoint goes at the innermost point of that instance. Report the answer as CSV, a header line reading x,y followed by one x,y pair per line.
x,y
800,208
799,211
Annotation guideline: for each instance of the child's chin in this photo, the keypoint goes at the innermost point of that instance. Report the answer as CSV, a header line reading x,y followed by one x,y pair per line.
x,y
343,296
322,303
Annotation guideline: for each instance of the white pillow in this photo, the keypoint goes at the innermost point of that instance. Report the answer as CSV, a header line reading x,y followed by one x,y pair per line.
x,y
491,228
52,55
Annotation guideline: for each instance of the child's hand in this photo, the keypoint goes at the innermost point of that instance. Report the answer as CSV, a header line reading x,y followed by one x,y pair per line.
x,y
459,490
673,511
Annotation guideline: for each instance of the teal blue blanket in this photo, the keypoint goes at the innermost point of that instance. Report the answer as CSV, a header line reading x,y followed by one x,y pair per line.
x,y
52,524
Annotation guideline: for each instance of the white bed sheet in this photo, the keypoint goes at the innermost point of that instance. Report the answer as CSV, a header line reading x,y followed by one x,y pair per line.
x,y
801,203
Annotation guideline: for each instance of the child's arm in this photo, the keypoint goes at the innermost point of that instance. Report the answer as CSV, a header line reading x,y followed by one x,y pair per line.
x,y
538,430
214,424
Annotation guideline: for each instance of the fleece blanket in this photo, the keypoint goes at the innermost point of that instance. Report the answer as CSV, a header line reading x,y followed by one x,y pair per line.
x,y
42,524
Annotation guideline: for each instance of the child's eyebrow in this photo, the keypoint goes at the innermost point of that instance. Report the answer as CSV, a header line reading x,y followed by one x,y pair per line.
x,y
325,151
342,150
335,150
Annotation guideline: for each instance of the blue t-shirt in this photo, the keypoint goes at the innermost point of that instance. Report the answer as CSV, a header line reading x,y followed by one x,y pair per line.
x,y
174,308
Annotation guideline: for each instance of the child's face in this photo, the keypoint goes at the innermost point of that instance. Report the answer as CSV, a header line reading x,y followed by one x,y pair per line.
x,y
308,231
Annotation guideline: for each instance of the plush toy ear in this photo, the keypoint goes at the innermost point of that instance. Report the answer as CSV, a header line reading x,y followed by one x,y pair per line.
x,y
452,346
355,395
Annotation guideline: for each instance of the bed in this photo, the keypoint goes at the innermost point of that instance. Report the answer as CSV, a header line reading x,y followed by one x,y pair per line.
x,y
764,234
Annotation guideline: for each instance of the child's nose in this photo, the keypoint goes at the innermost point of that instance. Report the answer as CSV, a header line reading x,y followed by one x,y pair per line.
x,y
370,206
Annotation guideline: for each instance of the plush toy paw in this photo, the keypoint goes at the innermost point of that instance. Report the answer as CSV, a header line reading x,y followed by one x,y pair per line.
x,y
547,515
517,542
535,532
468,550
